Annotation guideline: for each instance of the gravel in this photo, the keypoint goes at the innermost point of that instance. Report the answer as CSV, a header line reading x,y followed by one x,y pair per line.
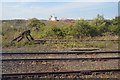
x,y
56,65
39,56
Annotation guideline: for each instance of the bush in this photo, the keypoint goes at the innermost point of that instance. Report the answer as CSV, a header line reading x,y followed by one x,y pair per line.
x,y
35,23
83,28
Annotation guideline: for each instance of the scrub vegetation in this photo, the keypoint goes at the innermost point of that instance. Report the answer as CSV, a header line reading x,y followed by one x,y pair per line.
x,y
96,29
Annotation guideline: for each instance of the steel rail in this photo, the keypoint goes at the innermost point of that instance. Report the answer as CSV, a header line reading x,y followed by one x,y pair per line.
x,y
106,58
61,72
63,40
66,52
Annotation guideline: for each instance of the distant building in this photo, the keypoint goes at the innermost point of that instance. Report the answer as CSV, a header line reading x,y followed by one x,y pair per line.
x,y
52,18
67,20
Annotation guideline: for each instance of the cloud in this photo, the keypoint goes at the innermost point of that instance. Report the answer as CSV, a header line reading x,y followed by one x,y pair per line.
x,y
45,9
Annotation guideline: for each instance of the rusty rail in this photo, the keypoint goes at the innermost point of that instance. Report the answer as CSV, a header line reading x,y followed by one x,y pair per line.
x,y
84,72
107,58
64,40
67,52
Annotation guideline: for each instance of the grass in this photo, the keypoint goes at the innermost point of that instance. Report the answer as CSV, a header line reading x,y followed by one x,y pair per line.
x,y
10,31
25,46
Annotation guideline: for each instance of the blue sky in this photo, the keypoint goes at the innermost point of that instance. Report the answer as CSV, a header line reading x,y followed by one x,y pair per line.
x,y
43,10
59,0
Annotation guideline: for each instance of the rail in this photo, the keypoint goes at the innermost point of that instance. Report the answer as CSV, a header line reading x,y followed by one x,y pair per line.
x,y
110,58
66,52
84,72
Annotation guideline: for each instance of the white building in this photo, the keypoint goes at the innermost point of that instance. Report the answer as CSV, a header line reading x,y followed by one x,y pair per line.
x,y
52,18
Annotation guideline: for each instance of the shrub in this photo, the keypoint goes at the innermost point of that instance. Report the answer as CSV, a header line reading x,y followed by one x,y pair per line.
x,y
35,23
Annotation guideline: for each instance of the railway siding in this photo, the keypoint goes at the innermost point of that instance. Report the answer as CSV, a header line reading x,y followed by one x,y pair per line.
x,y
72,54
39,56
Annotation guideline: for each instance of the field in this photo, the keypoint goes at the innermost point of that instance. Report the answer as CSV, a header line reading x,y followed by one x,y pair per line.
x,y
56,34
62,50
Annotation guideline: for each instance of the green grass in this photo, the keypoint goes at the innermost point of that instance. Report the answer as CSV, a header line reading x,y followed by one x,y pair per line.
x,y
25,46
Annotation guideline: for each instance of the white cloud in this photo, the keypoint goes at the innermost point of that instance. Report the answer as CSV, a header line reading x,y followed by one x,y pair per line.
x,y
30,10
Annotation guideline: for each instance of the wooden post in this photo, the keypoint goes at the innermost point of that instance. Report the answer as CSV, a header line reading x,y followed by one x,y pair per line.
x,y
23,35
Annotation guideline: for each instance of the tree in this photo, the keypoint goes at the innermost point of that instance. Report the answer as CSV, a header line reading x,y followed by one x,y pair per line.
x,y
98,20
115,28
115,20
102,26
69,30
58,32
83,28
35,23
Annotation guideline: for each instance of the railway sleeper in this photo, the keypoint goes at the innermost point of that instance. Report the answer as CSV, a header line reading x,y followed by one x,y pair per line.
x,y
86,72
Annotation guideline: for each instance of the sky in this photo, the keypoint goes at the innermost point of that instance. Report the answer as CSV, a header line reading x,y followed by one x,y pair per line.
x,y
60,0
27,9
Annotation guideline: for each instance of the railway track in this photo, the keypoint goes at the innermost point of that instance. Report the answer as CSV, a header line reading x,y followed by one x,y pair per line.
x,y
58,64
59,74
65,41
95,59
44,67
67,52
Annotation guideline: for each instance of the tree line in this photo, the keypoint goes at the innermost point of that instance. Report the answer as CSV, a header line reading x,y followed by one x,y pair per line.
x,y
99,26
